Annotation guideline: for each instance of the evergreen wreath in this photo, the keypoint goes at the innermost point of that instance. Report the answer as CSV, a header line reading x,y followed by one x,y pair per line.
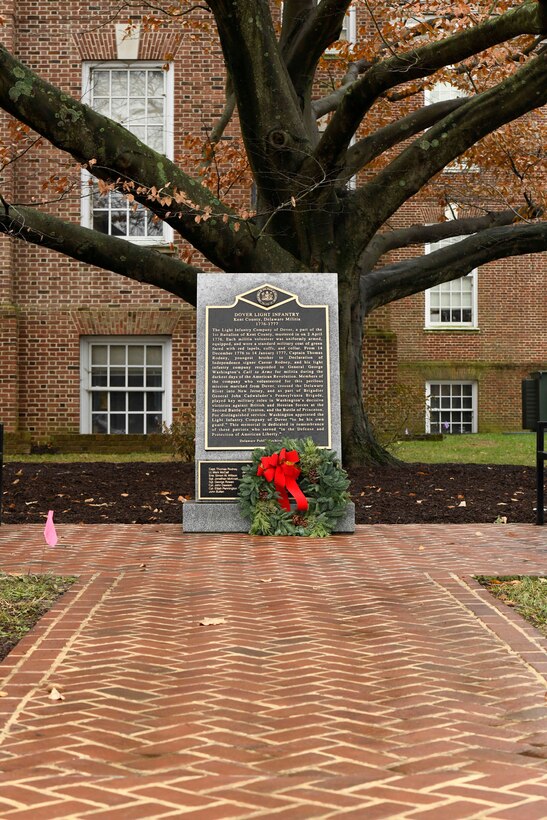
x,y
320,478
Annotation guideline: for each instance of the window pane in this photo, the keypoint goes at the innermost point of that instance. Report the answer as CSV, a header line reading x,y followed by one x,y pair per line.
x,y
117,354
117,377
137,223
135,354
119,224
102,106
117,402
135,377
99,377
153,377
153,423
101,83
119,83
136,401
99,400
137,83
155,138
100,221
156,87
137,112
154,401
118,106
139,131
99,423
98,354
154,225
154,111
117,423
136,424
154,354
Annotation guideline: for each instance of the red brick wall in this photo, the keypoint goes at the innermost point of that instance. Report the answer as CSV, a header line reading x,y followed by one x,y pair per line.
x,y
47,302
510,342
57,299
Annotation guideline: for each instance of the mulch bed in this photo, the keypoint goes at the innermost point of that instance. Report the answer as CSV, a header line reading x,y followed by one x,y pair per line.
x,y
153,493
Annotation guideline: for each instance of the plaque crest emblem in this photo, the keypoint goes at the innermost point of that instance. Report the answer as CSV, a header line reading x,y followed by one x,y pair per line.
x,y
266,297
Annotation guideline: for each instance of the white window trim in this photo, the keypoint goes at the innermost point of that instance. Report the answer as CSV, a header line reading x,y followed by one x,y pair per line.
x,y
85,367
448,92
474,402
169,114
351,15
474,323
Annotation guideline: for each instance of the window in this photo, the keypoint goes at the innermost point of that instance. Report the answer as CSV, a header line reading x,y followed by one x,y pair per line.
x,y
451,304
349,27
348,33
126,384
451,407
137,95
441,92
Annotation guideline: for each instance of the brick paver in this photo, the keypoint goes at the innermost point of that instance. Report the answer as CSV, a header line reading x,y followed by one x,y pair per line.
x,y
364,676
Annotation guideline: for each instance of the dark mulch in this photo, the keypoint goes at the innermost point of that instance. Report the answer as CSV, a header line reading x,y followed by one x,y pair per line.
x,y
146,493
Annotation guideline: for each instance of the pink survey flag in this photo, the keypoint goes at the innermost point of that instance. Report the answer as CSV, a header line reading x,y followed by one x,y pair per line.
x,y
50,533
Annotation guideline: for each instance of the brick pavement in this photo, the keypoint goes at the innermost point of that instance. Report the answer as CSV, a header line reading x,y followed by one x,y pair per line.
x,y
363,676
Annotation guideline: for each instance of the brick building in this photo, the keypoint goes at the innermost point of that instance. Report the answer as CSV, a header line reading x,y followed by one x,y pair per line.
x,y
68,330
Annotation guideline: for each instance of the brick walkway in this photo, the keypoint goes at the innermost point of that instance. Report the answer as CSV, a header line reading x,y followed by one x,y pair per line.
x,y
361,676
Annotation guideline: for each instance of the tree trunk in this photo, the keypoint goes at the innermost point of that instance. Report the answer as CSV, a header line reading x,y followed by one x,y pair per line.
x,y
359,445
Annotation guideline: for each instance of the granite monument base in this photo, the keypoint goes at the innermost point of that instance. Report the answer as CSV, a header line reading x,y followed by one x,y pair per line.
x,y
224,516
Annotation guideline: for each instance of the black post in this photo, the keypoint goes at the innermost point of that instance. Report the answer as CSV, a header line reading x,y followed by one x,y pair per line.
x,y
1,466
541,455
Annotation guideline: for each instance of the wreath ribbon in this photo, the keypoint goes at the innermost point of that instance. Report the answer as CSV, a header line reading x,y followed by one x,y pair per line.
x,y
281,469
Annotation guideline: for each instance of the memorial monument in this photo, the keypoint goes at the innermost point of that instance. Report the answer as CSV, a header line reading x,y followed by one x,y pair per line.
x,y
267,369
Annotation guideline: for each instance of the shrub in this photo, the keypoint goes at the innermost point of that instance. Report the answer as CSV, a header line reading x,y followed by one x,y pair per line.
x,y
182,432
396,413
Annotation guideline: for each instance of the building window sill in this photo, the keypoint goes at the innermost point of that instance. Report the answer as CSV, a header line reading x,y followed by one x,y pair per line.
x,y
451,329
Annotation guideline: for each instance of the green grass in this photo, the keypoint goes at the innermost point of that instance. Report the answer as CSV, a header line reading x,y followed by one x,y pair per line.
x,y
528,596
23,601
488,448
477,448
78,457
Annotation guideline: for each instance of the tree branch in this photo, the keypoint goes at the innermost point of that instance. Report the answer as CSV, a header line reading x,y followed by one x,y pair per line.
x,y
319,30
369,208
271,120
331,101
367,149
103,251
420,234
118,156
529,18
419,273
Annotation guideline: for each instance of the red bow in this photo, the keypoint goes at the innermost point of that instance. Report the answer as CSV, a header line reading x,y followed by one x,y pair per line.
x,y
280,468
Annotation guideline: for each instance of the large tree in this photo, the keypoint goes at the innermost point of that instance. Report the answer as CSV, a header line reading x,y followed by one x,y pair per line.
x,y
307,217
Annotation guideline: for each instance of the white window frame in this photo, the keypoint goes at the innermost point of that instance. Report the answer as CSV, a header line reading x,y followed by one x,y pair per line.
x,y
87,200
441,92
85,374
350,27
473,275
474,402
